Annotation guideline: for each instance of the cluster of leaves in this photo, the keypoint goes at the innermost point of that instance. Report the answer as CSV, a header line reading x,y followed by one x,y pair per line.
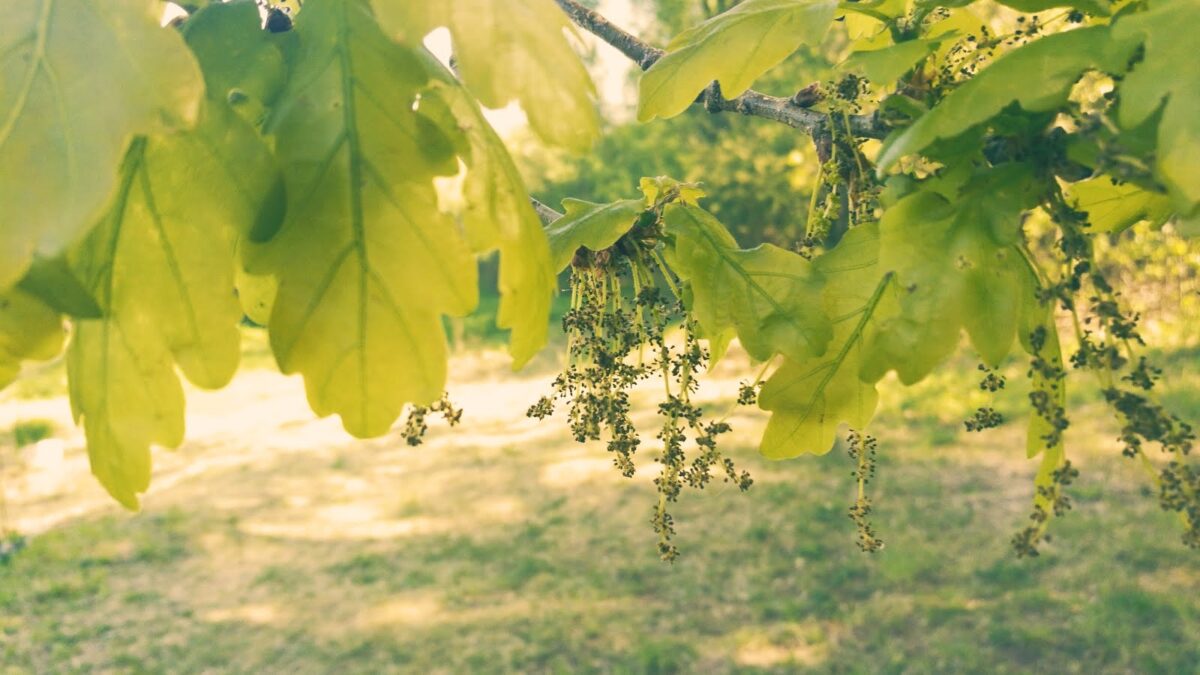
x,y
147,172
925,237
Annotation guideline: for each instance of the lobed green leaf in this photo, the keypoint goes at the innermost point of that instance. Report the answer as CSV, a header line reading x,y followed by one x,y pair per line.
x,y
510,50
1115,207
498,215
241,64
1167,78
366,264
1038,76
810,397
951,273
734,48
769,296
160,265
78,80
591,226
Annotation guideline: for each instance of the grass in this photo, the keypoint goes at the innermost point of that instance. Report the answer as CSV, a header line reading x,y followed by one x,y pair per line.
x,y
29,432
530,554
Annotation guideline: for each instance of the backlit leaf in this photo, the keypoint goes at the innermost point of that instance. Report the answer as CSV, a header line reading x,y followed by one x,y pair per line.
x,y
809,398
161,267
1168,76
366,263
241,65
29,331
951,273
1115,207
734,48
510,50
237,56
1038,76
498,214
884,66
151,272
768,295
78,80
591,226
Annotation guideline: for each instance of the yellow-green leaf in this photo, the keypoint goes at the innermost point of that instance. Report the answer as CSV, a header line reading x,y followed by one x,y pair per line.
x,y
29,331
510,50
78,80
1038,76
884,66
809,398
498,214
770,296
161,267
237,57
951,273
366,263
241,64
125,392
123,386
1115,207
591,226
734,48
1170,73
52,281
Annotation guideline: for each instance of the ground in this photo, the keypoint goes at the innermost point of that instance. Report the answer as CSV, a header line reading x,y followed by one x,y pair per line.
x,y
272,542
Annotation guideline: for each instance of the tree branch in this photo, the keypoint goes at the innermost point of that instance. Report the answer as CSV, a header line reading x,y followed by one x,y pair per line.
x,y
590,20
751,103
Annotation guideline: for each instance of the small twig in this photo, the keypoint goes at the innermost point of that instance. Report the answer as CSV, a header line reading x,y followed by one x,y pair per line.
x,y
752,103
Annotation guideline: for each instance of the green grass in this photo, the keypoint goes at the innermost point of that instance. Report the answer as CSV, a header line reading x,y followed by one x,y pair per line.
x,y
29,432
769,581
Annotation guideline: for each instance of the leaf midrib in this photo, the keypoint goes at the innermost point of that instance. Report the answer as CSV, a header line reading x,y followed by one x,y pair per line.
x,y
357,224
839,360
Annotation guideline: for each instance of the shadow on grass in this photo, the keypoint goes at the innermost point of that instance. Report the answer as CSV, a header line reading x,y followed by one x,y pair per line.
x,y
537,556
